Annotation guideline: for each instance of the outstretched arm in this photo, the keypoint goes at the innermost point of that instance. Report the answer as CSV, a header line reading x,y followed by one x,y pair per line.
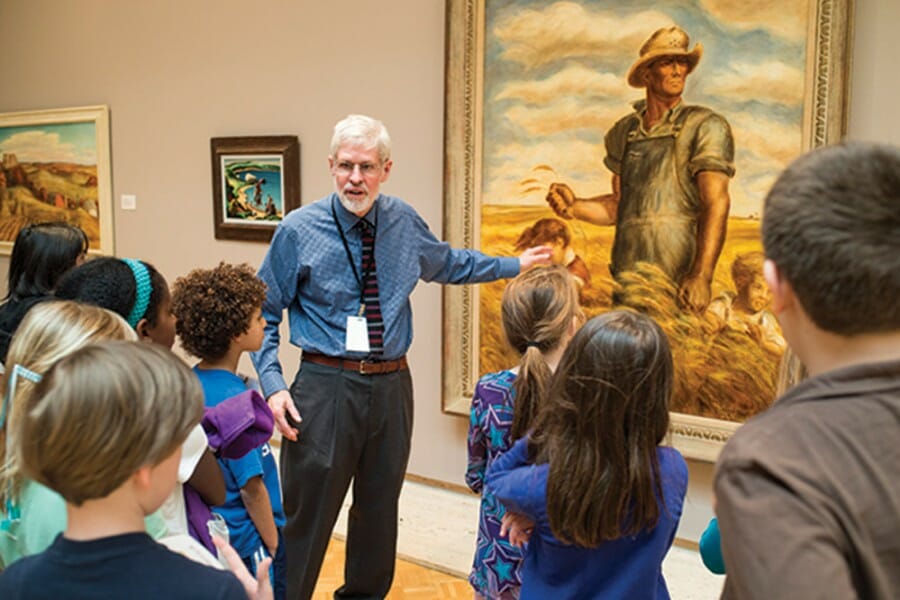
x,y
599,210
694,292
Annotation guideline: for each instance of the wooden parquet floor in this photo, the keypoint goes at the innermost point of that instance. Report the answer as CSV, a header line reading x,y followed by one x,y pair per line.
x,y
411,581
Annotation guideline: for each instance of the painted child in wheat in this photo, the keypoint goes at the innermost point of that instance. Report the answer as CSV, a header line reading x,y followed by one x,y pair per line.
x,y
748,309
555,233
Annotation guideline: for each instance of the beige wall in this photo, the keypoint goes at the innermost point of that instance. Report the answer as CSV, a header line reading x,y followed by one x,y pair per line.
x,y
175,74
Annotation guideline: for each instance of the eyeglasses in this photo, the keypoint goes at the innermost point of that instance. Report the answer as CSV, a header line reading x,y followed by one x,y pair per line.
x,y
366,168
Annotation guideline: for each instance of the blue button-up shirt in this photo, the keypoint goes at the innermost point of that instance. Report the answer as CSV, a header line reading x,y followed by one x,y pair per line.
x,y
308,272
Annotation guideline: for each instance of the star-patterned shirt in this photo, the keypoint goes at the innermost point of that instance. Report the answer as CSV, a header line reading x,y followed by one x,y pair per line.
x,y
495,569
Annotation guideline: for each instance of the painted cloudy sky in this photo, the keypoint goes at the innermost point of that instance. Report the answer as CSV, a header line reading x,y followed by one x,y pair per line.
x,y
63,142
555,83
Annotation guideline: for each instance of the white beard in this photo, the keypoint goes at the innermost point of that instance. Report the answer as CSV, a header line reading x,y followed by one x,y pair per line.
x,y
355,206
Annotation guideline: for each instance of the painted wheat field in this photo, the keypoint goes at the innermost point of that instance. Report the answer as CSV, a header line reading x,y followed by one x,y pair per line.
x,y
724,376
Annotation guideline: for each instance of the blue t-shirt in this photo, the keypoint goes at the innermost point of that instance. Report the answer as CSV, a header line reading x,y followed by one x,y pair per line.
x,y
219,385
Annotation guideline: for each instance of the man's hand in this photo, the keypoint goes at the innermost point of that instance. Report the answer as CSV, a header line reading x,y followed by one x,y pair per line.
x,y
517,527
281,402
257,589
560,197
694,294
538,255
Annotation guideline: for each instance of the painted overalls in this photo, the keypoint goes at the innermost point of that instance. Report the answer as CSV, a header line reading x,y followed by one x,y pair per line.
x,y
660,204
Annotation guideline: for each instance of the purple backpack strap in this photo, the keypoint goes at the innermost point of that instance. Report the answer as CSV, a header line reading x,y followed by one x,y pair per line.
x,y
198,514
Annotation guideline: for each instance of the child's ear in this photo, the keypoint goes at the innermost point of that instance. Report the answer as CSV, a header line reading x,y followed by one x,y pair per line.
x,y
574,325
142,477
143,330
782,292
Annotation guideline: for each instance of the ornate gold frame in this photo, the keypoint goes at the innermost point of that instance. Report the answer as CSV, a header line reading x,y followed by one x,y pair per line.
x,y
825,120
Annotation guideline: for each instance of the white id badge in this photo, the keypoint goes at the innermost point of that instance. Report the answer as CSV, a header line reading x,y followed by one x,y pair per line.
x,y
357,334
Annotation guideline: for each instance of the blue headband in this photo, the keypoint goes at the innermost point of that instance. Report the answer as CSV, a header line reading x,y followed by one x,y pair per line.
x,y
142,288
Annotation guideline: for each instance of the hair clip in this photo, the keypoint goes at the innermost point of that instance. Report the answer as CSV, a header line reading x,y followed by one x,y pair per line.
x,y
17,371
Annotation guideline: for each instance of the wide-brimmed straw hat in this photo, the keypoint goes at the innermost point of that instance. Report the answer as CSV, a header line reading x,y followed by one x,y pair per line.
x,y
667,41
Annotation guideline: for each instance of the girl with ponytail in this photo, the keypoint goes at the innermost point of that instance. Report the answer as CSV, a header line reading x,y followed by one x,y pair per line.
x,y
540,313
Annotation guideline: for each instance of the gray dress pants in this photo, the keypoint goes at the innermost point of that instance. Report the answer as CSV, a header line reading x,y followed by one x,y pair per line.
x,y
354,427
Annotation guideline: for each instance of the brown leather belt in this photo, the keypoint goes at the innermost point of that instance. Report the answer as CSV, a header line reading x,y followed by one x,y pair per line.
x,y
363,367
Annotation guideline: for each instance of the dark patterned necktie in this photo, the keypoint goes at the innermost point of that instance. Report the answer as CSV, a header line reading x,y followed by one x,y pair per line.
x,y
370,290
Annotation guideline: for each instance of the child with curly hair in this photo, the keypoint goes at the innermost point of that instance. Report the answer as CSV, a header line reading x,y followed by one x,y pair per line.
x,y
219,317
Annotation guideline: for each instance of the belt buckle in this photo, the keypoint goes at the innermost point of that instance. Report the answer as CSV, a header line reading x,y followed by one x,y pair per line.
x,y
362,367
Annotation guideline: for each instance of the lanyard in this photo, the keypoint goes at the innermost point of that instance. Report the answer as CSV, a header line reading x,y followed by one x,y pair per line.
x,y
365,273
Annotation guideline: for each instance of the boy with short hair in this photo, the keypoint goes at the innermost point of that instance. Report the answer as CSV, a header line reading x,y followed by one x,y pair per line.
x,y
104,429
219,317
809,491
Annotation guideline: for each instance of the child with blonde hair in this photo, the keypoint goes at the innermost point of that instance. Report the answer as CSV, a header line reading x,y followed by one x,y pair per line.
x,y
593,479
139,293
31,515
540,313
104,429
746,310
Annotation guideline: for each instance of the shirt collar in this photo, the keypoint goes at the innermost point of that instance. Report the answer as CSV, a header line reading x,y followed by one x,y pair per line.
x,y
862,379
347,220
640,107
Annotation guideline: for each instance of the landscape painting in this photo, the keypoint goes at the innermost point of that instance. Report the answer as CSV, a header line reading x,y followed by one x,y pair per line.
x,y
256,182
54,166
559,123
253,188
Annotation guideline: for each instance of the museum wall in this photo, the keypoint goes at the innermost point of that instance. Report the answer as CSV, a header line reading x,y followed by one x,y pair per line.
x,y
175,74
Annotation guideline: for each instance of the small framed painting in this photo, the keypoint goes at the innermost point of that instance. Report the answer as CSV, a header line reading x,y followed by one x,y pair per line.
x,y
256,182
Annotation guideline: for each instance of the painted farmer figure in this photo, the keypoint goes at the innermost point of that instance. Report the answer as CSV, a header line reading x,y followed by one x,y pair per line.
x,y
344,268
671,163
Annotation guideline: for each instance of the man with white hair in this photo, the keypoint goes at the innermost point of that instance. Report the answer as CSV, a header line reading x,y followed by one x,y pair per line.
x,y
344,268
671,163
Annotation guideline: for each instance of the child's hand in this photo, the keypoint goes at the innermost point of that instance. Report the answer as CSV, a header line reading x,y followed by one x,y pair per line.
x,y
257,589
517,527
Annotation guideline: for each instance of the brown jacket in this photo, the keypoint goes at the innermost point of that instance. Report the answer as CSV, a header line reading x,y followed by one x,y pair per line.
x,y
809,491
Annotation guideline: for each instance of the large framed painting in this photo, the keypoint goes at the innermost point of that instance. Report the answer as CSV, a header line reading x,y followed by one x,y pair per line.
x,y
54,166
638,139
256,182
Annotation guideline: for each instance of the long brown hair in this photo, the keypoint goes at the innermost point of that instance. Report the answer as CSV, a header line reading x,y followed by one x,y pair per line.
x,y
605,415
537,310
